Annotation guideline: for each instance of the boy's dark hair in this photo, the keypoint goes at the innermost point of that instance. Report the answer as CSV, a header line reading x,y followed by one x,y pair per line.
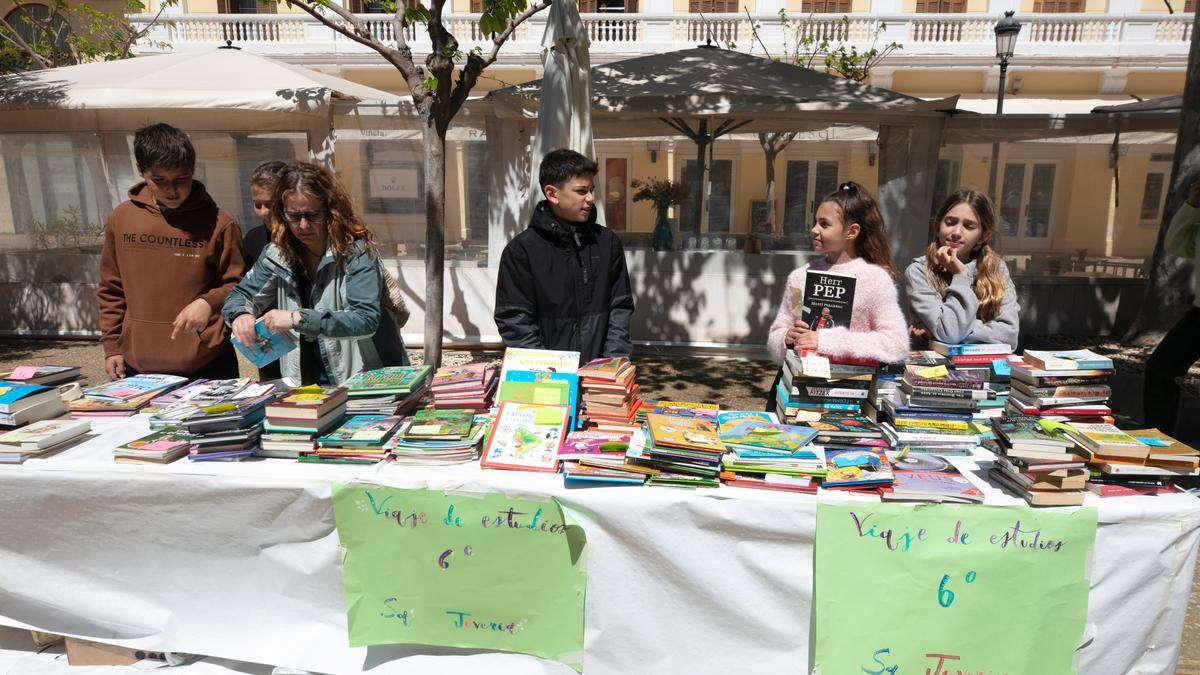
x,y
266,175
163,146
560,166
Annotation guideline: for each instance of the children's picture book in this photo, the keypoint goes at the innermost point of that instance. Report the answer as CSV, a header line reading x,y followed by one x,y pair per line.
x,y
727,419
307,402
526,436
442,424
268,345
784,439
538,360
124,389
845,468
579,444
391,380
827,300
706,411
542,388
684,432
845,426
362,430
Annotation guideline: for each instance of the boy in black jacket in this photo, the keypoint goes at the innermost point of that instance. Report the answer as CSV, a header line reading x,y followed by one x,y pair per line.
x,y
562,282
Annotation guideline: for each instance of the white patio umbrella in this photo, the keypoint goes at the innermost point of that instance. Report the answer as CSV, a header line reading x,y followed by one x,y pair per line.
x,y
565,105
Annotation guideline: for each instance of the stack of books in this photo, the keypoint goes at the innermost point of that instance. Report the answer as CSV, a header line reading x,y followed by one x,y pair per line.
x,y
1116,457
469,387
763,454
610,394
170,409
935,410
387,391
928,478
359,439
124,397
687,451
440,438
160,447
1062,385
992,360
40,438
297,417
21,403
541,376
813,385
590,445
1036,463
228,431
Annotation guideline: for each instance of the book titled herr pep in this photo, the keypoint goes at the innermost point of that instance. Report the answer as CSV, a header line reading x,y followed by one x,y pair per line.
x,y
826,301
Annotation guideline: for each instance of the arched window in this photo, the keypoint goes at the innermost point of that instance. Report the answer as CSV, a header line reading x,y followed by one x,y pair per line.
x,y
37,24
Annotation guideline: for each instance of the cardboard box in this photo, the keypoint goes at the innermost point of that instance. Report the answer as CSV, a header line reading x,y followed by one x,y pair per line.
x,y
87,653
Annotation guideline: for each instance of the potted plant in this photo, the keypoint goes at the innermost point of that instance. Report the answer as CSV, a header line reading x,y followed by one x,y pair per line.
x,y
663,194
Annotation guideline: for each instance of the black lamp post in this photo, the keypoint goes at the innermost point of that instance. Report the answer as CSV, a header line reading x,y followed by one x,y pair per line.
x,y
1007,30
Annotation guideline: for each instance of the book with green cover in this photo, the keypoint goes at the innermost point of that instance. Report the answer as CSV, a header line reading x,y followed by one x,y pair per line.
x,y
443,424
542,388
362,430
392,380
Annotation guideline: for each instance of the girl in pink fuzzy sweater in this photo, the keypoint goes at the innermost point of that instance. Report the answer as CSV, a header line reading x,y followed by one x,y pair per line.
x,y
850,232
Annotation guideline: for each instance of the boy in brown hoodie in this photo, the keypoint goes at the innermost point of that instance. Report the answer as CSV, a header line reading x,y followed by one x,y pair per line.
x,y
170,259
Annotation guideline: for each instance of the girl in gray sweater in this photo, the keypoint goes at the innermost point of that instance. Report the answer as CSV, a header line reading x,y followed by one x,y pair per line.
x,y
960,291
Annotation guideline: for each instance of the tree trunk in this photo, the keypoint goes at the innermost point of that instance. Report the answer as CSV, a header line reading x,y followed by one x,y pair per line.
x,y
435,238
1169,289
770,154
702,143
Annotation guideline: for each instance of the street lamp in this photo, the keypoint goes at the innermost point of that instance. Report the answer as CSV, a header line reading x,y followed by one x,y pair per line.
x,y
1007,30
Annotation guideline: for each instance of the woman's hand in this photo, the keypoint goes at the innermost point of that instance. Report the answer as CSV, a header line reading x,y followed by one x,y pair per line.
x,y
280,320
243,329
793,335
947,259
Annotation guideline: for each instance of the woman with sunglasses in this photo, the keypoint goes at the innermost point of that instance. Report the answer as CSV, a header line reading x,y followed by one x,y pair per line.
x,y
324,276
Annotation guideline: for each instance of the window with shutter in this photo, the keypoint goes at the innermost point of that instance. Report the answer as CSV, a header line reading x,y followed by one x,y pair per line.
x,y
826,6
1057,6
941,6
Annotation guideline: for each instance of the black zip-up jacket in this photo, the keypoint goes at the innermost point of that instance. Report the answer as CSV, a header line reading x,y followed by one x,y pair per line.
x,y
565,287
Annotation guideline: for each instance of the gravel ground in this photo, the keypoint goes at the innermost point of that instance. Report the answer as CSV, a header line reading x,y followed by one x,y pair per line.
x,y
734,383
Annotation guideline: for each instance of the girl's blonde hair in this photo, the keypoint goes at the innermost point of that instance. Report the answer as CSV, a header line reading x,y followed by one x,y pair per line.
x,y
342,225
857,206
989,281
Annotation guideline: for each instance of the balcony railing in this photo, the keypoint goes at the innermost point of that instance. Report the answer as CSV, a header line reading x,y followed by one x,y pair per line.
x,y
960,35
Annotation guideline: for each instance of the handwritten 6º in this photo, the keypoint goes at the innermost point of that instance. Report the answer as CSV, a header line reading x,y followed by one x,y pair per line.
x,y
940,589
462,570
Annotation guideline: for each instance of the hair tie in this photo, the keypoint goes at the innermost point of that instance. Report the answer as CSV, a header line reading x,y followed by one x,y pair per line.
x,y
847,187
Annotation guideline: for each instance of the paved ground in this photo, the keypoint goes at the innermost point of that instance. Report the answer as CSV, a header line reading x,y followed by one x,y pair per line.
x,y
734,383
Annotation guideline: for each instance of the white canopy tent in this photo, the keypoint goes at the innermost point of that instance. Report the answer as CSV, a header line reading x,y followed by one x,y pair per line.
x,y
706,92
221,90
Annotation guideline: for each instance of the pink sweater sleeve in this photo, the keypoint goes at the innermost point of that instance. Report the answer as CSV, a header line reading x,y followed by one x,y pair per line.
x,y
785,318
886,336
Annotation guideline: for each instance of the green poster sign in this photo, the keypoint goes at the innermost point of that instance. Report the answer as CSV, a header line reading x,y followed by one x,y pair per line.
x,y
477,570
938,589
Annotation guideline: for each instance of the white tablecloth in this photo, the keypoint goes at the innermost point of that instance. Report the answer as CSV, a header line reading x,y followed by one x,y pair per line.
x,y
241,561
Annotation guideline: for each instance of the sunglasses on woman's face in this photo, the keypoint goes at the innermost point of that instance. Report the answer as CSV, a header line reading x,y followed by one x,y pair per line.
x,y
314,217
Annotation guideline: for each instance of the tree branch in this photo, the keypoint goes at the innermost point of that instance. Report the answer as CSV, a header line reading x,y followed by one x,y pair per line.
x,y
400,58
498,40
